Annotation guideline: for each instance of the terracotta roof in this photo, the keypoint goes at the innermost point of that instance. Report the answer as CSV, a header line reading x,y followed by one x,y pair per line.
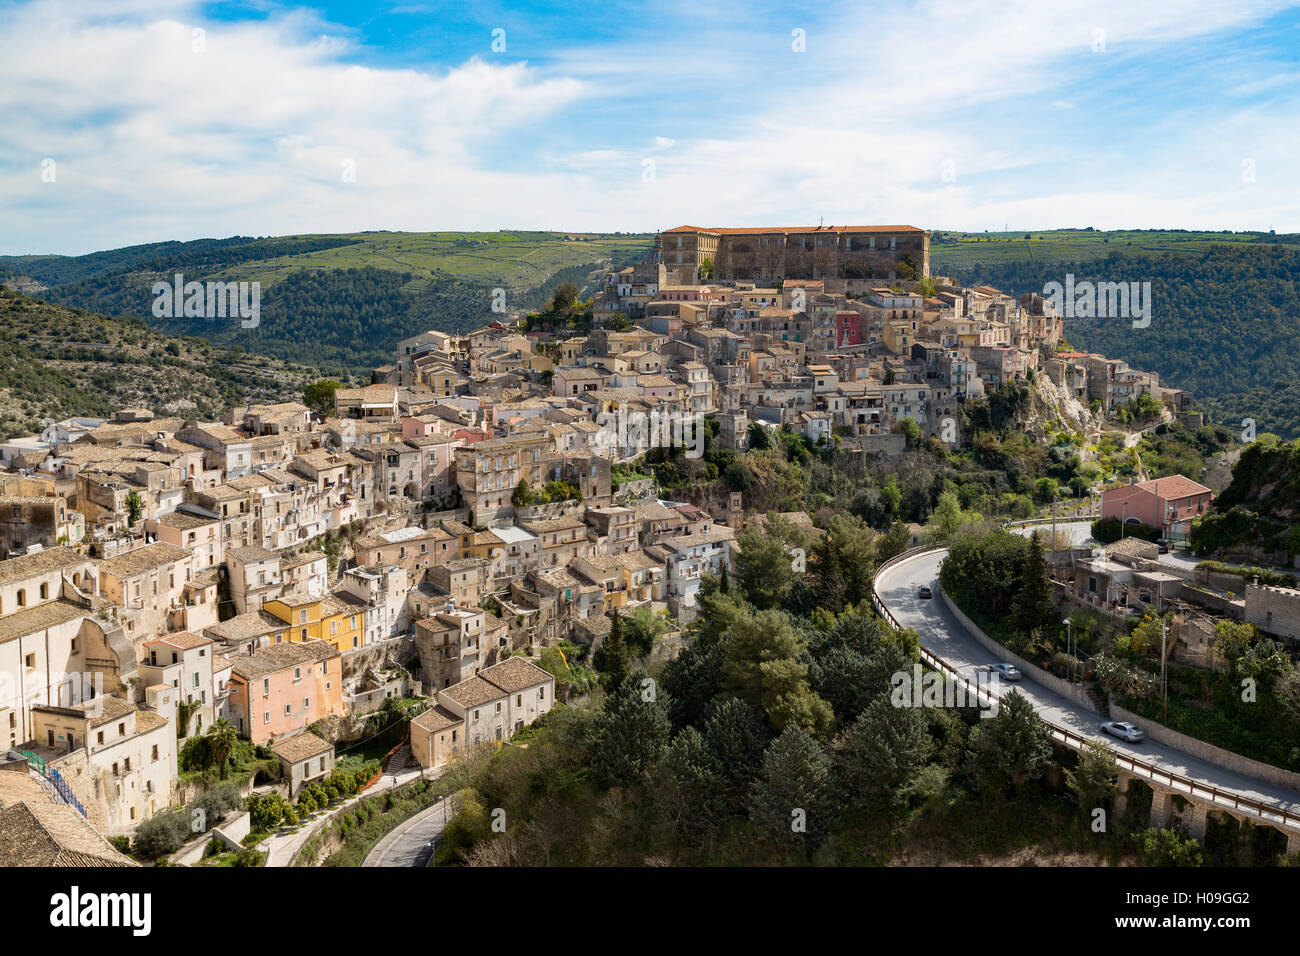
x,y
435,719
742,230
53,834
39,562
143,559
301,747
277,657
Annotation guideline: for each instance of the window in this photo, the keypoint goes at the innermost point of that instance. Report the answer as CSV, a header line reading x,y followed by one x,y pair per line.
x,y
154,754
306,703
498,707
266,717
476,715
519,700
541,693
121,730
266,685
99,737
45,591
302,617
288,709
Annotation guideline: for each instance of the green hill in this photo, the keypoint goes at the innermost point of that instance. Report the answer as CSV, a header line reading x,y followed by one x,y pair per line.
x,y
57,362
1225,308
340,301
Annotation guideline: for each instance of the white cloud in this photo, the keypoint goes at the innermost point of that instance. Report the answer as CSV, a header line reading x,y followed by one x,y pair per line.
x,y
154,140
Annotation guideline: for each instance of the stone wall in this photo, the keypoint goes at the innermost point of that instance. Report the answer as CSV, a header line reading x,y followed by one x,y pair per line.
x,y
1275,610
1071,692
1254,769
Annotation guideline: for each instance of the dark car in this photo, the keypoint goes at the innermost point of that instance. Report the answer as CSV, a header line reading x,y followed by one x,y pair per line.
x,y
925,592
1163,545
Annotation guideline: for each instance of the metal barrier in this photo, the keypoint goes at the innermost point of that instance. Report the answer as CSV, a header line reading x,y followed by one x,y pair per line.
x,y
1227,798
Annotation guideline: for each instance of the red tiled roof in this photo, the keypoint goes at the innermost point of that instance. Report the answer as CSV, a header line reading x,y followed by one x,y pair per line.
x,y
743,230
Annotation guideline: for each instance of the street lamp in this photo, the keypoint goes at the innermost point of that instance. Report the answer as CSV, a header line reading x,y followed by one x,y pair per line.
x,y
1069,638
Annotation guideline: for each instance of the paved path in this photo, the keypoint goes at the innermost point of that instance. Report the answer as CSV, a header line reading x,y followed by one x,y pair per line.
x,y
942,635
412,842
282,847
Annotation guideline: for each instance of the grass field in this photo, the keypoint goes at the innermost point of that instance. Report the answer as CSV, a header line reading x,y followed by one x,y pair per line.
x,y
961,251
513,260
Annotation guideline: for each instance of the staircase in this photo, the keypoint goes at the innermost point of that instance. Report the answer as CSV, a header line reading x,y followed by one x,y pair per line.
x,y
51,780
1094,695
398,760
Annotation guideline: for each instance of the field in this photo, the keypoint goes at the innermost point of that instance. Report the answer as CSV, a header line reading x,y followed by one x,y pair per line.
x,y
961,252
512,260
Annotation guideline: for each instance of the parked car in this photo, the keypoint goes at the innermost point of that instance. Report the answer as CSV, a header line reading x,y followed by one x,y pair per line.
x,y
925,592
1005,671
1163,545
1124,731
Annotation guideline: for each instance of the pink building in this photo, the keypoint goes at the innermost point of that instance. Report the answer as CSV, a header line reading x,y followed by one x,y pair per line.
x,y
848,329
1169,504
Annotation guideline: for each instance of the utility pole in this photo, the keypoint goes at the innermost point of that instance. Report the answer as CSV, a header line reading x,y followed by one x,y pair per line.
x,y
1164,681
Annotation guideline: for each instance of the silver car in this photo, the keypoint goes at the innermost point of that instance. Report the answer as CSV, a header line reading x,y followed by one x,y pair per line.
x,y
1005,671
1124,731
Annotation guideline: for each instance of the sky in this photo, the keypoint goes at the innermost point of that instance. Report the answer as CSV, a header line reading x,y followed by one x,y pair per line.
x,y
132,121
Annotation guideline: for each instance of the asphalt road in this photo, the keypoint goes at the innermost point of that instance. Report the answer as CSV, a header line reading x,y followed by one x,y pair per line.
x,y
411,844
941,634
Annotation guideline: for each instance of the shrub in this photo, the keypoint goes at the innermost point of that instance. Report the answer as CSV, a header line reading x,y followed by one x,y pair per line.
x,y
164,833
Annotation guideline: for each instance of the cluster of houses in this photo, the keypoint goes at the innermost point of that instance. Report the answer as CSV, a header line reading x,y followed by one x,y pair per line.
x,y
288,571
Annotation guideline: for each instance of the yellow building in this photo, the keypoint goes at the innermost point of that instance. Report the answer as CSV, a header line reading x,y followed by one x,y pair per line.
x,y
338,619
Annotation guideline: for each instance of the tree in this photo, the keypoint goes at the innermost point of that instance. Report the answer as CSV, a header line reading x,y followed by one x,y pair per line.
x,y
1093,780
642,628
1011,749
846,562
893,542
134,508
949,517
762,662
758,439
522,496
566,294
686,786
911,430
1033,606
1287,689
766,559
222,738
1166,847
319,396
788,802
737,735
883,751
614,653
632,733
162,833
692,680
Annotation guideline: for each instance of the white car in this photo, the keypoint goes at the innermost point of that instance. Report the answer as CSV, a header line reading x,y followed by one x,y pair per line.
x,y
1005,671
1124,731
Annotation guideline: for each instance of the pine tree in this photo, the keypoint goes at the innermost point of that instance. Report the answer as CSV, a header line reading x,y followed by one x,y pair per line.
x,y
614,651
1031,608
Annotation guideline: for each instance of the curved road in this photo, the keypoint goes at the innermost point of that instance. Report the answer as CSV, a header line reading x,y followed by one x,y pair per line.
x,y
943,636
412,842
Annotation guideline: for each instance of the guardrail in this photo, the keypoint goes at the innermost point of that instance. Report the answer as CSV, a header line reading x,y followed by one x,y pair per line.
x,y
1227,798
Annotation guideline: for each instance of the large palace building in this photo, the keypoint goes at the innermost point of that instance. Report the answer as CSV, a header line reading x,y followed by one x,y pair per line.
x,y
883,253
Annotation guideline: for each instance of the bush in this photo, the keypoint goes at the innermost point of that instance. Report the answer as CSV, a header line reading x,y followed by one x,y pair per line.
x,y
217,800
1109,530
164,833
1166,847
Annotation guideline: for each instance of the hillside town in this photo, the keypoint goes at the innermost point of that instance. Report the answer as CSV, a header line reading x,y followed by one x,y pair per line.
x,y
288,571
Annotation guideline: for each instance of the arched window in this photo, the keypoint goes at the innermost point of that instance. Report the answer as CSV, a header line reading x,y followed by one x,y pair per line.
x,y
22,598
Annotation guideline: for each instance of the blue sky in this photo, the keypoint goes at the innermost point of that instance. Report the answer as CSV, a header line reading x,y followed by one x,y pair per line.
x,y
133,121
